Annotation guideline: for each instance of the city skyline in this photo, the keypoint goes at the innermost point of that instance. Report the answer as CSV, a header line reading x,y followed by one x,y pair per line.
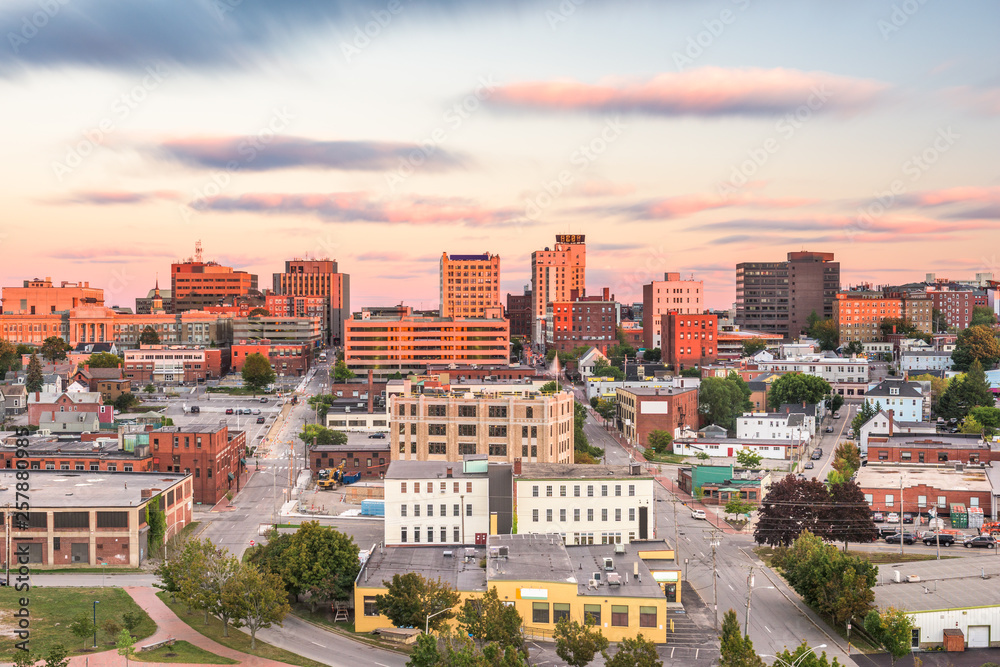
x,y
677,137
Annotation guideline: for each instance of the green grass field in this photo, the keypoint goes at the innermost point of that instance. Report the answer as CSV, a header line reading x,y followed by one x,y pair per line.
x,y
237,639
53,610
182,651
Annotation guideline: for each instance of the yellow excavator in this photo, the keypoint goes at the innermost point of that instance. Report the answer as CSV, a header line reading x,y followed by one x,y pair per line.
x,y
329,478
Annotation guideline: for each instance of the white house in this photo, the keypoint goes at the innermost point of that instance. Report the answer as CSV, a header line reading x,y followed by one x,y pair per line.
x,y
925,360
589,359
847,376
885,424
606,387
904,398
812,413
586,504
773,426
781,450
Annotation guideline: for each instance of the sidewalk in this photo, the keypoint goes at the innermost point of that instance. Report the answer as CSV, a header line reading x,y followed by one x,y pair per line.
x,y
167,626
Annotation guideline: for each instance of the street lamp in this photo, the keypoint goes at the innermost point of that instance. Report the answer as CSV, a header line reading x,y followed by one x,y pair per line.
x,y
96,602
427,621
798,660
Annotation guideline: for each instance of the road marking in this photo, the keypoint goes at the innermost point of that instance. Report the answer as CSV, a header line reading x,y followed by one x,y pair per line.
x,y
318,644
731,587
767,628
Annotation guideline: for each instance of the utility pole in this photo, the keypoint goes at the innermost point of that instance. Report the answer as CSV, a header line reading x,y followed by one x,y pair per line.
x,y
901,540
6,536
677,542
746,621
714,542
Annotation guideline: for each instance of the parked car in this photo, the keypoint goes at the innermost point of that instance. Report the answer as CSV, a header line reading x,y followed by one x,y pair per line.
x,y
836,415
376,436
697,514
892,517
801,476
829,429
981,541
908,538
809,465
886,531
907,517
195,409
817,454
256,412
229,411
260,420
263,399
878,517
946,540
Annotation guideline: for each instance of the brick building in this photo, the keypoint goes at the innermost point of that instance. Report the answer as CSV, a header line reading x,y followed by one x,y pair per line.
x,y
308,280
174,363
589,321
926,448
688,340
110,383
668,295
893,488
469,284
519,313
103,521
195,284
555,273
956,302
101,454
371,459
42,407
641,410
212,454
40,297
286,359
859,313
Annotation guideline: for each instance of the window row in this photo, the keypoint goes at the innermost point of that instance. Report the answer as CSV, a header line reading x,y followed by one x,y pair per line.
x,y
578,513
576,490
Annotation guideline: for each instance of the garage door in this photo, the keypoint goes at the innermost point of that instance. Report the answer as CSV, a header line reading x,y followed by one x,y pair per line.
x,y
979,636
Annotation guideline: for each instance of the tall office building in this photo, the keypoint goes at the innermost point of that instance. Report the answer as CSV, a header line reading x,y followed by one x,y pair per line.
x,y
469,284
316,278
196,284
555,274
41,297
670,295
778,297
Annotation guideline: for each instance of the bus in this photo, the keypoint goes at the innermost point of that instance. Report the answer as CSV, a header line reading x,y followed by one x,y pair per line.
x,y
322,356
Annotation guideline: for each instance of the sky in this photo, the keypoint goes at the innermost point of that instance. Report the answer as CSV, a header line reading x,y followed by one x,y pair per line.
x,y
676,135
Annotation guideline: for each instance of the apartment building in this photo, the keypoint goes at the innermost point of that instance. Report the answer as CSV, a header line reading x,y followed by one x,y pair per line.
x,y
688,340
643,410
956,302
555,273
213,454
671,294
370,459
590,321
774,426
100,455
469,284
904,398
859,313
287,359
173,363
317,288
506,422
195,284
279,330
519,313
44,408
41,297
848,376
585,504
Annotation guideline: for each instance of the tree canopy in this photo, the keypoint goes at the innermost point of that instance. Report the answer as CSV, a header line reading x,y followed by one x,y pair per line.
x,y
487,619
794,505
33,379
752,346
10,360
854,347
976,343
637,652
826,334
341,373
891,628
736,649
578,643
322,435
964,393
104,360
722,400
319,560
149,336
410,598
797,387
603,369
257,372
982,315
652,355
54,349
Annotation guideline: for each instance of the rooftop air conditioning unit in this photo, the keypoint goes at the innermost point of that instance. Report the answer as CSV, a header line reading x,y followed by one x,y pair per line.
x,y
447,554
609,564
592,584
614,579
619,548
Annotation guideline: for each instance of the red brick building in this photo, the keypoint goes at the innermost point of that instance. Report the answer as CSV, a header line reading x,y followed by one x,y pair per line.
x,y
956,302
285,358
173,363
590,321
519,314
481,373
370,459
110,383
689,340
213,455
916,489
645,409
39,404
91,455
939,448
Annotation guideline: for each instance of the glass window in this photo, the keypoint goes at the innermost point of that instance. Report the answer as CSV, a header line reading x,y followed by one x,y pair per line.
x,y
604,489
560,611
619,615
539,612
402,510
548,515
576,491
647,617
592,614
534,515
370,608
402,535
534,491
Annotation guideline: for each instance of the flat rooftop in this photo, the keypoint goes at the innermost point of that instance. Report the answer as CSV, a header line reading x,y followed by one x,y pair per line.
x,y
464,574
574,471
68,489
887,477
77,448
431,470
932,440
954,583
657,391
372,445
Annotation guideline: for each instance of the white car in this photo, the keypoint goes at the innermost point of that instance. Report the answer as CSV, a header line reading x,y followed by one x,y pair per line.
x,y
697,514
892,517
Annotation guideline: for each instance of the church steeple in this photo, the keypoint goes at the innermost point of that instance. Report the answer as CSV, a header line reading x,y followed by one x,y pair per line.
x,y
157,305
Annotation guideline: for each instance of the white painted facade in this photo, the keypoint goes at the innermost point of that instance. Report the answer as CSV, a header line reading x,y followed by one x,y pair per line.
x,y
926,361
832,369
605,387
421,508
771,426
979,625
585,511
729,447
879,425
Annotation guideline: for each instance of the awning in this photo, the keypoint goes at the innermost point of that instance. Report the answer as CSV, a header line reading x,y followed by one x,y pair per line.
x,y
243,461
231,478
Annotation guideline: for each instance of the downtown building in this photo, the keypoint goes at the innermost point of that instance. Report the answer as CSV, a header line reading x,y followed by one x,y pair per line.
x,y
470,285
195,284
778,297
555,274
859,313
583,321
671,294
310,288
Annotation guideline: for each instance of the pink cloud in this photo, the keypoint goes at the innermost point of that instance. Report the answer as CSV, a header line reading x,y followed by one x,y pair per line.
x,y
957,195
685,205
981,100
704,91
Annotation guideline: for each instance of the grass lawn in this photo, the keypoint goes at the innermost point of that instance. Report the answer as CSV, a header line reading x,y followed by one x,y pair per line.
x,y
665,457
766,554
182,651
87,570
53,610
237,639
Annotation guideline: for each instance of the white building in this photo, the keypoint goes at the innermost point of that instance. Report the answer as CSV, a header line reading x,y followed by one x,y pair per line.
x,y
904,398
781,450
925,361
796,350
586,504
603,387
885,424
873,350
847,375
773,426
438,502
585,364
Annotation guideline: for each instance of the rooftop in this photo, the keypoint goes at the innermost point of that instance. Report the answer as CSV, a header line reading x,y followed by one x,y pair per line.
x,y
574,471
954,583
740,441
875,476
903,389
447,562
66,489
431,470
931,441
370,446
657,391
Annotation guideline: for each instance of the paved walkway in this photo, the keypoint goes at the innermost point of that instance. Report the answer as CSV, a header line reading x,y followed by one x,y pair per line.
x,y
167,625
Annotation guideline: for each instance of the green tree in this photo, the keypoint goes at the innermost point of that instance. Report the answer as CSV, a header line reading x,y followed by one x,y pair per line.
x,y
33,381
111,628
736,506
410,599
855,347
938,386
269,555
939,323
652,355
487,619
747,458
638,652
975,389
847,459
826,334
54,348
804,656
10,360
194,581
690,372
257,372
259,312
863,417
150,388
850,518
902,326
835,401
721,401
606,408
797,387
577,644
395,376
752,346
321,560
550,387
660,441
125,645
594,402
988,417
516,347
978,343
341,373
126,402
104,360
603,369
736,650
24,658
425,653
83,627
131,620
790,507
149,336
57,656
969,425
323,435
257,599
891,629
982,316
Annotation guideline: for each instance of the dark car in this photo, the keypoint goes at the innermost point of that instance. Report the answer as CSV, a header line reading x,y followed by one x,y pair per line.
x,y
886,531
946,540
908,538
809,465
817,454
907,517
260,420
982,541
263,399
195,409
376,436
229,411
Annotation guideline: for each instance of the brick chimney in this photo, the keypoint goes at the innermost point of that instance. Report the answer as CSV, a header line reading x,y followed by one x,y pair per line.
x,y
892,418
517,466
371,389
447,472
146,493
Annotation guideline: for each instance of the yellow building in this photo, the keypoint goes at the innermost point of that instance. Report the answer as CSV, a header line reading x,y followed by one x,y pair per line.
x,y
544,579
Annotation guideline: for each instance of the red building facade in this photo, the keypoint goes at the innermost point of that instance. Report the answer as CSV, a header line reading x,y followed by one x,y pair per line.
x,y
69,403
369,459
689,340
286,359
214,456
166,363
590,321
